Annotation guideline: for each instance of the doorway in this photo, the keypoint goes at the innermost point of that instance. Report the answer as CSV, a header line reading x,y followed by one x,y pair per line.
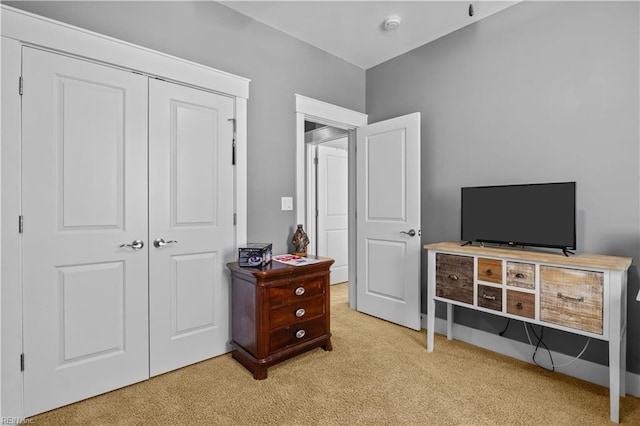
x,y
328,196
377,143
313,110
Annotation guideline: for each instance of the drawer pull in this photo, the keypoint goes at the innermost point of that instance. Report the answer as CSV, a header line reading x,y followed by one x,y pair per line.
x,y
519,275
300,312
300,334
486,296
571,298
453,277
299,291
519,305
489,271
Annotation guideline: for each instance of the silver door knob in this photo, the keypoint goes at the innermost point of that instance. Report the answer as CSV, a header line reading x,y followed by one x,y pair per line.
x,y
135,244
160,242
411,233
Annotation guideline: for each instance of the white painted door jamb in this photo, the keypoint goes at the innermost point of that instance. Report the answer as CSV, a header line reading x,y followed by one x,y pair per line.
x,y
332,115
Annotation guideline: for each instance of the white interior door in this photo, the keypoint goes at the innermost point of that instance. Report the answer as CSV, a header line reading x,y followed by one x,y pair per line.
x,y
84,194
191,209
388,220
332,202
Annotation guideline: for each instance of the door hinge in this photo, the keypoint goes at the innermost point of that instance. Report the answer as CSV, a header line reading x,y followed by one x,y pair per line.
x,y
20,85
233,153
233,141
235,219
20,224
21,362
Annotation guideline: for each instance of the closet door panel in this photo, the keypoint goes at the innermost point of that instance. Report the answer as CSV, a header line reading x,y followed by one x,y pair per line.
x,y
84,194
91,192
193,177
191,210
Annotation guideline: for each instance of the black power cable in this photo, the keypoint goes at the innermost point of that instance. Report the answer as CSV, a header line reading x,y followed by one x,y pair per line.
x,y
505,328
540,342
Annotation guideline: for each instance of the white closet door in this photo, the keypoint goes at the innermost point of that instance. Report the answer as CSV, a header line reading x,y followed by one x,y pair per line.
x,y
333,219
84,193
191,210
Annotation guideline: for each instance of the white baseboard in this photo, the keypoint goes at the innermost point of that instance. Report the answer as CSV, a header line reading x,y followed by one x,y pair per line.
x,y
581,369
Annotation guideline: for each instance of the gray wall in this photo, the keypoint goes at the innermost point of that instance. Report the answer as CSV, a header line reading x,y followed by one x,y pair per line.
x,y
541,92
278,65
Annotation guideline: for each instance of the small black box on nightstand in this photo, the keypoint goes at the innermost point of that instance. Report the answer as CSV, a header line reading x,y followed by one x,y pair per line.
x,y
254,254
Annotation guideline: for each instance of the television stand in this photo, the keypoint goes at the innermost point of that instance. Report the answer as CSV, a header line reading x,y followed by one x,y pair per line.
x,y
567,252
584,294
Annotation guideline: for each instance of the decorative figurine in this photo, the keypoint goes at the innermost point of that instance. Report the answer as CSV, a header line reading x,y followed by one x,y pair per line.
x,y
300,242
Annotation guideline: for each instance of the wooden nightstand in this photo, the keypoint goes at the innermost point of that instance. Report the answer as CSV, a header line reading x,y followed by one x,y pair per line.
x,y
278,312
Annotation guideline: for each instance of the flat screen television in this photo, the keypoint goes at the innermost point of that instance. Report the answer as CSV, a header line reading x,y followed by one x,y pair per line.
x,y
538,215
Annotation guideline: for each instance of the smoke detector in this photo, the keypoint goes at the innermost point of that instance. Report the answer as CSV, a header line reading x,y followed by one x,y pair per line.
x,y
391,23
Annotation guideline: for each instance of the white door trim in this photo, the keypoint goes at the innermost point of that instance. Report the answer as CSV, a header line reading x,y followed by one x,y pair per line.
x,y
10,271
20,28
310,201
336,116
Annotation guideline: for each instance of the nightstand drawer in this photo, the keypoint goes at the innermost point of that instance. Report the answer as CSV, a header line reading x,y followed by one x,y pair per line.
x,y
299,289
521,275
294,334
454,277
490,270
521,304
296,312
490,297
572,297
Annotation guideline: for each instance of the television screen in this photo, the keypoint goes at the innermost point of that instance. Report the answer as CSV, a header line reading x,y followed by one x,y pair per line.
x,y
541,215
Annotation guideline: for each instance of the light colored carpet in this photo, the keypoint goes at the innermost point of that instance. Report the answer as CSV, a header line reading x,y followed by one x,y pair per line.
x,y
377,374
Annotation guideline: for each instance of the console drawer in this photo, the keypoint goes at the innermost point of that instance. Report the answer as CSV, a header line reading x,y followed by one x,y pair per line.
x,y
490,297
521,304
454,277
490,270
572,297
521,275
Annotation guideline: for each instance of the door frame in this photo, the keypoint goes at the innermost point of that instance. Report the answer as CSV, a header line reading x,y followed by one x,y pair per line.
x,y
311,153
310,109
20,28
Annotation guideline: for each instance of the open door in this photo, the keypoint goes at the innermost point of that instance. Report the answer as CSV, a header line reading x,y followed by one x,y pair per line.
x,y
388,220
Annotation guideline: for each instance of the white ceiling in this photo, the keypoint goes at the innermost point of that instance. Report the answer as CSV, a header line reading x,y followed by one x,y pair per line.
x,y
352,30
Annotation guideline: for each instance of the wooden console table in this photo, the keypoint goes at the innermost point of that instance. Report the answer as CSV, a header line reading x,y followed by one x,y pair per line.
x,y
278,311
582,294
